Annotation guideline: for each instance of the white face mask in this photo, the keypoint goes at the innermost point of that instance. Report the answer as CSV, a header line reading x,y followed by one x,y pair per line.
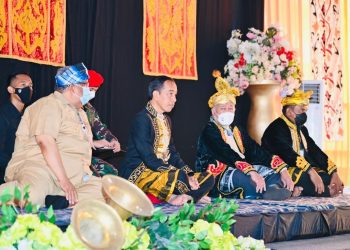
x,y
226,118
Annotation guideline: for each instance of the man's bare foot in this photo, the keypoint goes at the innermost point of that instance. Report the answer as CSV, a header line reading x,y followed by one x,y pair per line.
x,y
204,200
297,191
179,200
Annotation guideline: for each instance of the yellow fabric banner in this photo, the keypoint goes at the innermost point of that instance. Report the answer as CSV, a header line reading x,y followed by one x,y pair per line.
x,y
169,38
33,30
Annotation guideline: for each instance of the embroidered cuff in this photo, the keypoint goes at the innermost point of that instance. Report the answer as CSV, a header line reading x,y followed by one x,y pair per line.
x,y
182,187
245,167
277,163
331,167
188,170
302,164
216,169
164,168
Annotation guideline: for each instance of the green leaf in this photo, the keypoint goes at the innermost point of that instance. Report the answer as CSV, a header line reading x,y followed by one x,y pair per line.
x,y
225,227
26,193
50,212
36,208
52,219
18,193
6,198
29,207
204,245
163,219
230,222
42,216
210,218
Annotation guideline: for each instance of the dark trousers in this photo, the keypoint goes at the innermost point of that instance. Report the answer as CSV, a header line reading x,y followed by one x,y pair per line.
x,y
236,184
309,188
249,187
182,186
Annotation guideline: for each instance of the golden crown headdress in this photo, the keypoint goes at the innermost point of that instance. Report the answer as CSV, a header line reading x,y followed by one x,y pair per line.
x,y
299,97
225,93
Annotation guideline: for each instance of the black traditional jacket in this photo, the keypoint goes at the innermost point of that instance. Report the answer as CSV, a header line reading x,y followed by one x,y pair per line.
x,y
214,154
284,138
142,147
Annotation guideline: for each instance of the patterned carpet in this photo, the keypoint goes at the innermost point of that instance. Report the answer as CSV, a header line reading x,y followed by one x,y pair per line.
x,y
253,207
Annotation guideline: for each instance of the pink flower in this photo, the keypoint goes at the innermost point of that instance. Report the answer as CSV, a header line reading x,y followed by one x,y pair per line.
x,y
244,84
251,35
277,77
264,55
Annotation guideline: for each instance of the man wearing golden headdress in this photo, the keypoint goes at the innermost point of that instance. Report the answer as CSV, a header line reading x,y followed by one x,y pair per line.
x,y
289,138
152,162
242,169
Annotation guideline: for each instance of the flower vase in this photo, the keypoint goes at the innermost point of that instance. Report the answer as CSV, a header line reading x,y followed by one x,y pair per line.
x,y
265,107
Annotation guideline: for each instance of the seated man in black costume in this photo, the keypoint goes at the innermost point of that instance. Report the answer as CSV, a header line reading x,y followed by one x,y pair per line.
x,y
152,162
289,138
241,167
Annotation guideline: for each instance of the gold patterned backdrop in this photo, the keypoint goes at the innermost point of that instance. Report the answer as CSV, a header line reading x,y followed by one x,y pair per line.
x,y
33,30
169,38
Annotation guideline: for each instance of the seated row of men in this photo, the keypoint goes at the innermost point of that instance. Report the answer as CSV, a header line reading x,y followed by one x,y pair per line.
x,y
54,139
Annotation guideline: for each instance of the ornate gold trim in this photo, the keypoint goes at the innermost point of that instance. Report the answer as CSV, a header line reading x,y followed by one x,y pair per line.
x,y
293,132
150,109
238,138
135,174
182,187
331,167
302,163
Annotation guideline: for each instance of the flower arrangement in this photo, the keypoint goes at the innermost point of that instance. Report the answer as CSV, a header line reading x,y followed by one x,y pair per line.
x,y
28,232
208,228
263,56
24,227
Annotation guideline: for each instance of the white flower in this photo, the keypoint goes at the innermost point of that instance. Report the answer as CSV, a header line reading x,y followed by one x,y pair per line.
x,y
283,57
236,34
250,51
264,57
232,46
25,244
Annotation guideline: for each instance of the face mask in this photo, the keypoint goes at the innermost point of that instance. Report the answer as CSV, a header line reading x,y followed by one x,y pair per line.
x,y
87,95
25,94
226,118
300,119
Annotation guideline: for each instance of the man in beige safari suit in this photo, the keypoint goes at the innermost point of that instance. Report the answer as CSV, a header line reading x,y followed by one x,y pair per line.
x,y
53,144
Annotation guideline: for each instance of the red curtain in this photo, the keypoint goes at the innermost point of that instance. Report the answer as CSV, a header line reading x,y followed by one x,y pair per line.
x,y
169,38
33,30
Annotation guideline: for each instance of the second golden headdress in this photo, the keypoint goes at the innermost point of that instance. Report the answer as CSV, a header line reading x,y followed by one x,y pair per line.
x,y
299,97
225,92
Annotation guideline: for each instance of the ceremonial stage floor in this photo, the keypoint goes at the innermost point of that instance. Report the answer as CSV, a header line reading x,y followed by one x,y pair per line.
x,y
295,218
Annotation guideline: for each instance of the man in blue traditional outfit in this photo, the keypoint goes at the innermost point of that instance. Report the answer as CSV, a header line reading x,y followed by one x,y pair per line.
x,y
152,162
287,137
242,169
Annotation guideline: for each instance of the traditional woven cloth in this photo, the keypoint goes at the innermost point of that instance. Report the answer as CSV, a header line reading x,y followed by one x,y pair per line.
x,y
69,75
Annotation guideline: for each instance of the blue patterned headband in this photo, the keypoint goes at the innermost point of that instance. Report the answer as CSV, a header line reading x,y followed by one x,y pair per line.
x,y
70,75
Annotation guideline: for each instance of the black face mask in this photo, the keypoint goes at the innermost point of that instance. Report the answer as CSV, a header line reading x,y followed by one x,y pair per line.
x,y
25,94
300,119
